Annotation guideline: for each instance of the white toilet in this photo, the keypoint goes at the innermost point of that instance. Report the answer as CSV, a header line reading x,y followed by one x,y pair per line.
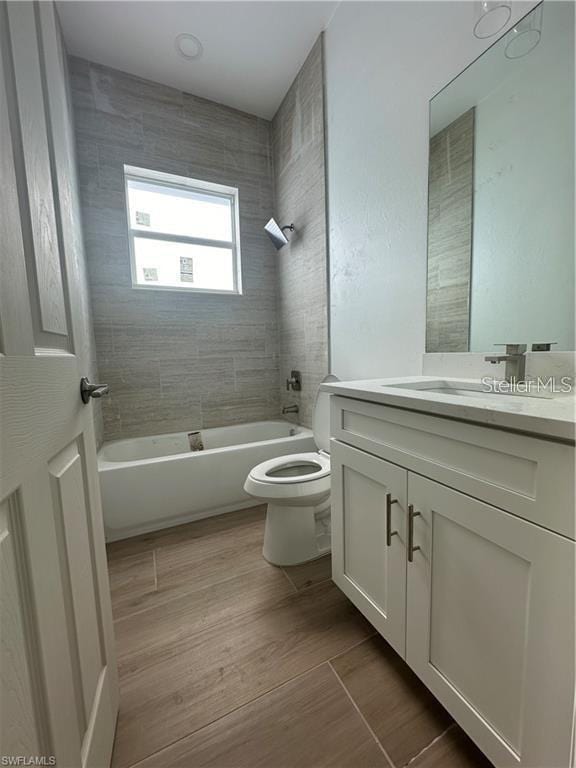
x,y
297,489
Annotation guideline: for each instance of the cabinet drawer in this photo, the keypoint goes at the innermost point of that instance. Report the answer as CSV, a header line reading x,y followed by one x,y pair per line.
x,y
529,477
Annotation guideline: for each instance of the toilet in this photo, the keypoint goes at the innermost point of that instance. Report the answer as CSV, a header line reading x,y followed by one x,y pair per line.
x,y
297,490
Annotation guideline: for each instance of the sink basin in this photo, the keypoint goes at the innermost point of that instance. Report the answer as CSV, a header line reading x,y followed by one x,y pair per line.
x,y
469,389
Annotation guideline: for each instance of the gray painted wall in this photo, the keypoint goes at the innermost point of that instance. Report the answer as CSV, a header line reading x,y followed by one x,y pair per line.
x,y
298,152
175,361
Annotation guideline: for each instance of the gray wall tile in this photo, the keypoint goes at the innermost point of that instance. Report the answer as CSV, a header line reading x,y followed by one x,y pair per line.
x,y
175,361
299,172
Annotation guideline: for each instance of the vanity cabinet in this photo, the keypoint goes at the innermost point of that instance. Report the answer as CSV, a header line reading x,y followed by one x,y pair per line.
x,y
478,600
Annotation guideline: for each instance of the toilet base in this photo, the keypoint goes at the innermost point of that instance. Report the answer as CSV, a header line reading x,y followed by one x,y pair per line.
x,y
296,534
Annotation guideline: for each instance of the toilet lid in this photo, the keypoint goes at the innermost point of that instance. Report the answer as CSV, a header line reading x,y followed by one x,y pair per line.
x,y
321,418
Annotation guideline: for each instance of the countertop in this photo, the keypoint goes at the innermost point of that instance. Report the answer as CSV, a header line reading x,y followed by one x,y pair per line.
x,y
552,418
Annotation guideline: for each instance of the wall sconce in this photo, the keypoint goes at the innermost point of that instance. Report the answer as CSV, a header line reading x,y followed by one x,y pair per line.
x,y
276,233
525,35
491,17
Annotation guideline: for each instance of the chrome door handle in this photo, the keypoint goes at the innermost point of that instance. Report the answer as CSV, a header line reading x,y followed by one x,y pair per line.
x,y
88,390
389,531
411,547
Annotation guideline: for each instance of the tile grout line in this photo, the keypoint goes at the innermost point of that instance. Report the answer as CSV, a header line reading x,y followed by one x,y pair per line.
x,y
313,584
247,612
294,587
424,749
266,693
231,712
342,653
159,545
194,590
111,561
357,708
184,593
294,591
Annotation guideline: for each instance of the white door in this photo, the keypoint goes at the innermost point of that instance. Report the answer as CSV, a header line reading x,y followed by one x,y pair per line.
x,y
58,682
490,624
369,538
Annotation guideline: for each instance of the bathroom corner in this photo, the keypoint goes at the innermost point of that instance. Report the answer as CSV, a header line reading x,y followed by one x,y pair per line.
x,y
299,186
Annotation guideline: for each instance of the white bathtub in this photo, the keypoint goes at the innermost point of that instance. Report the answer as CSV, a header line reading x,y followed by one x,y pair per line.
x,y
154,482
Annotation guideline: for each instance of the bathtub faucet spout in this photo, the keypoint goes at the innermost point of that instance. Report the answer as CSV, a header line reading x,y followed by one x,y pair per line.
x,y
290,409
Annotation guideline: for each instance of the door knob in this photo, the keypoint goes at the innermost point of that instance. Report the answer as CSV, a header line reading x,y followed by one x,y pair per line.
x,y
88,390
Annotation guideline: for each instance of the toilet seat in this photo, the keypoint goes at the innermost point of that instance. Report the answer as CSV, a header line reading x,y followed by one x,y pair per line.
x,y
283,470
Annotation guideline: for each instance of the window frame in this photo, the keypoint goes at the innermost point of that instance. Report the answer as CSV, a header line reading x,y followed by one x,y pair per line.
x,y
173,181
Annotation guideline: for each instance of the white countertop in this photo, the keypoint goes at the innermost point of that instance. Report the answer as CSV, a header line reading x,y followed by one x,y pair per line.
x,y
553,417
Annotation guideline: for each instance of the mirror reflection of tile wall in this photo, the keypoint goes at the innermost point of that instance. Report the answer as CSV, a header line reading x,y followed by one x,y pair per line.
x,y
450,236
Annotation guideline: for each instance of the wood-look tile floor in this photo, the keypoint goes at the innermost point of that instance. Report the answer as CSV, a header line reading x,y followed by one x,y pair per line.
x,y
229,662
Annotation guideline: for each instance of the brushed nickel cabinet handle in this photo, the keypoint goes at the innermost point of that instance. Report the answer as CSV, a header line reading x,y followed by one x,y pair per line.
x,y
411,547
389,531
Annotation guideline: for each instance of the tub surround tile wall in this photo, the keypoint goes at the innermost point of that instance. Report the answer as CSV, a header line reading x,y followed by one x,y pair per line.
x,y
299,173
175,361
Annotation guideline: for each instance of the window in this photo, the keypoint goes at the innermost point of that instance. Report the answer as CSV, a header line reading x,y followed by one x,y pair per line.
x,y
184,233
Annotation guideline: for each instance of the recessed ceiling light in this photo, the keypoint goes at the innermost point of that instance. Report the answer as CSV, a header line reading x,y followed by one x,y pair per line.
x,y
525,36
493,15
188,46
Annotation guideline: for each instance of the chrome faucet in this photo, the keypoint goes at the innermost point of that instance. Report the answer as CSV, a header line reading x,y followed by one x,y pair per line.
x,y
290,409
515,359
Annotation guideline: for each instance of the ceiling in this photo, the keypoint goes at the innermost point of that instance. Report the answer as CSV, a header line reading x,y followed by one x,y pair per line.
x,y
252,50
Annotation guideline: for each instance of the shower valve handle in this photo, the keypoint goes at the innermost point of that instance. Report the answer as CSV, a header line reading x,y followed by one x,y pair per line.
x,y
294,383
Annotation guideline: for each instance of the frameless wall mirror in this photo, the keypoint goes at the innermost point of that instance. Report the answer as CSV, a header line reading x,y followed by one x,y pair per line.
x,y
501,193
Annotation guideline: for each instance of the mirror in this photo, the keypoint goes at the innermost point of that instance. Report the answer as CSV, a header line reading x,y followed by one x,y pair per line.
x,y
501,193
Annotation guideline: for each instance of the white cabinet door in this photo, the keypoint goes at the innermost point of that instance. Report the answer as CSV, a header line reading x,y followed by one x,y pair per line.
x,y
58,680
369,538
490,624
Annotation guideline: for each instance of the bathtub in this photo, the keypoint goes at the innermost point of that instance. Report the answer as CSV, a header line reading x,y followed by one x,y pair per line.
x,y
150,483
